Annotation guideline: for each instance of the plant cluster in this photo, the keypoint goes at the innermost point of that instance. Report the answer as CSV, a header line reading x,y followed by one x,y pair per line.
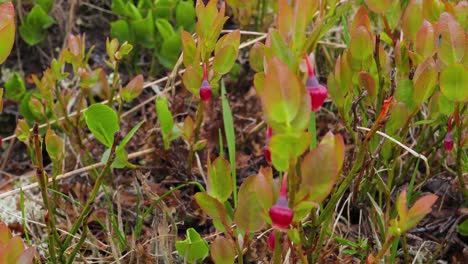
x,y
391,89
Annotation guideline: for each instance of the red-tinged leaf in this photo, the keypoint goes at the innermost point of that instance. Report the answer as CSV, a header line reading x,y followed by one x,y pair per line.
x,y
190,48
418,211
378,6
219,179
192,80
249,215
259,79
54,145
222,251
401,58
256,57
7,30
400,113
367,82
334,90
225,59
133,89
440,105
321,166
454,82
361,44
285,19
412,19
401,206
452,42
425,40
424,80
27,256
265,188
75,45
311,8
361,18
432,9
5,234
230,39
12,250
343,73
461,13
300,22
211,206
282,92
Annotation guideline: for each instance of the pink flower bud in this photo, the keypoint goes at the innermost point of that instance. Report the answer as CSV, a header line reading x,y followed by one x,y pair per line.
x,y
205,88
448,142
269,132
317,92
281,215
205,91
267,154
271,240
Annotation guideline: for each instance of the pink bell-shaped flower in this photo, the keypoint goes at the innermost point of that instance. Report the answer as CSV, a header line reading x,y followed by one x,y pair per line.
x,y
280,213
205,89
317,92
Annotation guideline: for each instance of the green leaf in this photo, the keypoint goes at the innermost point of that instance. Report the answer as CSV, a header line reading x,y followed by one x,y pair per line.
x,y
425,40
121,156
164,28
54,145
121,31
7,29
219,179
34,28
282,94
462,228
192,80
286,147
132,12
133,89
378,6
22,131
193,248
361,45
222,250
424,81
190,48
256,55
45,4
404,93
170,51
102,121
144,31
452,42
166,120
248,215
454,82
185,15
211,206
412,19
15,87
225,59
321,166
278,48
118,7
229,132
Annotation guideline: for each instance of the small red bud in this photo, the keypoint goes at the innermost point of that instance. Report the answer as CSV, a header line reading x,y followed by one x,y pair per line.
x,y
271,240
448,142
317,92
269,132
205,91
281,215
267,154
1,141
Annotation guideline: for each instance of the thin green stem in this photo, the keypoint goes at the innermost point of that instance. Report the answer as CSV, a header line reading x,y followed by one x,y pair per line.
x,y
42,180
277,250
92,197
384,249
313,130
